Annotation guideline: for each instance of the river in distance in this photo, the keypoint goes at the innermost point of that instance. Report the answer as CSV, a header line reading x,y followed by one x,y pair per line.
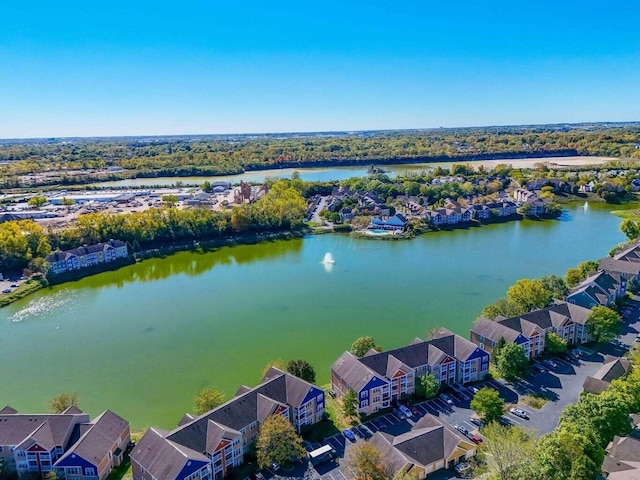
x,y
327,174
144,339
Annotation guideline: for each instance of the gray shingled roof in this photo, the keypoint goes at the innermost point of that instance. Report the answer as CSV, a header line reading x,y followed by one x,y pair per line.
x,y
494,330
609,264
162,458
48,430
355,373
243,410
428,442
101,435
623,459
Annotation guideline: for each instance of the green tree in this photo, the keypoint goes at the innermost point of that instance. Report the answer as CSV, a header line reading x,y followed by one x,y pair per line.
x,y
488,404
606,415
502,307
529,294
302,369
631,228
279,364
556,285
427,386
170,200
68,202
575,275
207,399
507,452
350,404
603,324
567,454
554,343
277,442
37,201
62,401
362,345
367,463
495,353
512,362
526,209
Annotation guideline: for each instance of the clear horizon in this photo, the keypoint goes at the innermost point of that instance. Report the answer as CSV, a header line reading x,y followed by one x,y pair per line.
x,y
152,69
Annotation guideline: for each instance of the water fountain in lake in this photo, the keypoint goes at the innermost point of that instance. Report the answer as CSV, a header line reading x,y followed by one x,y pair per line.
x,y
586,205
328,262
328,258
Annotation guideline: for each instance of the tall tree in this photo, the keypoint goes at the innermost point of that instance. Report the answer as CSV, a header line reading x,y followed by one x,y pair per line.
x,y
366,461
567,454
37,201
575,275
350,404
556,285
207,399
302,369
554,343
512,362
604,324
631,228
488,404
278,442
427,386
507,453
495,353
62,401
362,345
529,294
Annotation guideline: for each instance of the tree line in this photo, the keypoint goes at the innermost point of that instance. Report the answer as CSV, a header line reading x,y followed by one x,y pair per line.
x,y
234,154
24,244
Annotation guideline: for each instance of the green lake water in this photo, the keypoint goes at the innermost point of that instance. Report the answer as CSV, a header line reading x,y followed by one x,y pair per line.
x,y
144,339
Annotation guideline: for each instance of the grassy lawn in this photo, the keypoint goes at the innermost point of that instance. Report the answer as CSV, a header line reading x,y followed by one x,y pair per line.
x,y
537,400
631,213
22,291
123,472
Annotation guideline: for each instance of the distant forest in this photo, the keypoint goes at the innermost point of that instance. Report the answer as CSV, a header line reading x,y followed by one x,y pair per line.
x,y
215,155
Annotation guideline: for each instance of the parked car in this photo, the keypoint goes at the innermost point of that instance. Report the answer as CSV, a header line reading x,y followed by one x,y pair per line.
x,y
446,398
551,363
474,389
6,290
349,435
14,285
518,412
415,411
275,466
537,369
462,467
405,410
477,422
474,438
461,429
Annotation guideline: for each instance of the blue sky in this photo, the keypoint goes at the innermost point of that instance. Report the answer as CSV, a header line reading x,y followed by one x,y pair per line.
x,y
80,68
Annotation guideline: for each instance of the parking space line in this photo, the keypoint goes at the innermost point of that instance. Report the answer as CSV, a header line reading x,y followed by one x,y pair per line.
x,y
395,418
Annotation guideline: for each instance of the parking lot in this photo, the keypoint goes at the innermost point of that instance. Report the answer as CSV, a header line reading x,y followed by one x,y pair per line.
x,y
559,379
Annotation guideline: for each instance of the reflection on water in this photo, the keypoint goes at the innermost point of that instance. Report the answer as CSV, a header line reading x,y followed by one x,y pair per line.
x,y
194,263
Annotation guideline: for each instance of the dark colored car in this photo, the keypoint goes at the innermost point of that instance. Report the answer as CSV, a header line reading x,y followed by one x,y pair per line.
x,y
349,435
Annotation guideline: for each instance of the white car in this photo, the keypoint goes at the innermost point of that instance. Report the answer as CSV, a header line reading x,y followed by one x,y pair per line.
x,y
462,467
518,412
405,410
